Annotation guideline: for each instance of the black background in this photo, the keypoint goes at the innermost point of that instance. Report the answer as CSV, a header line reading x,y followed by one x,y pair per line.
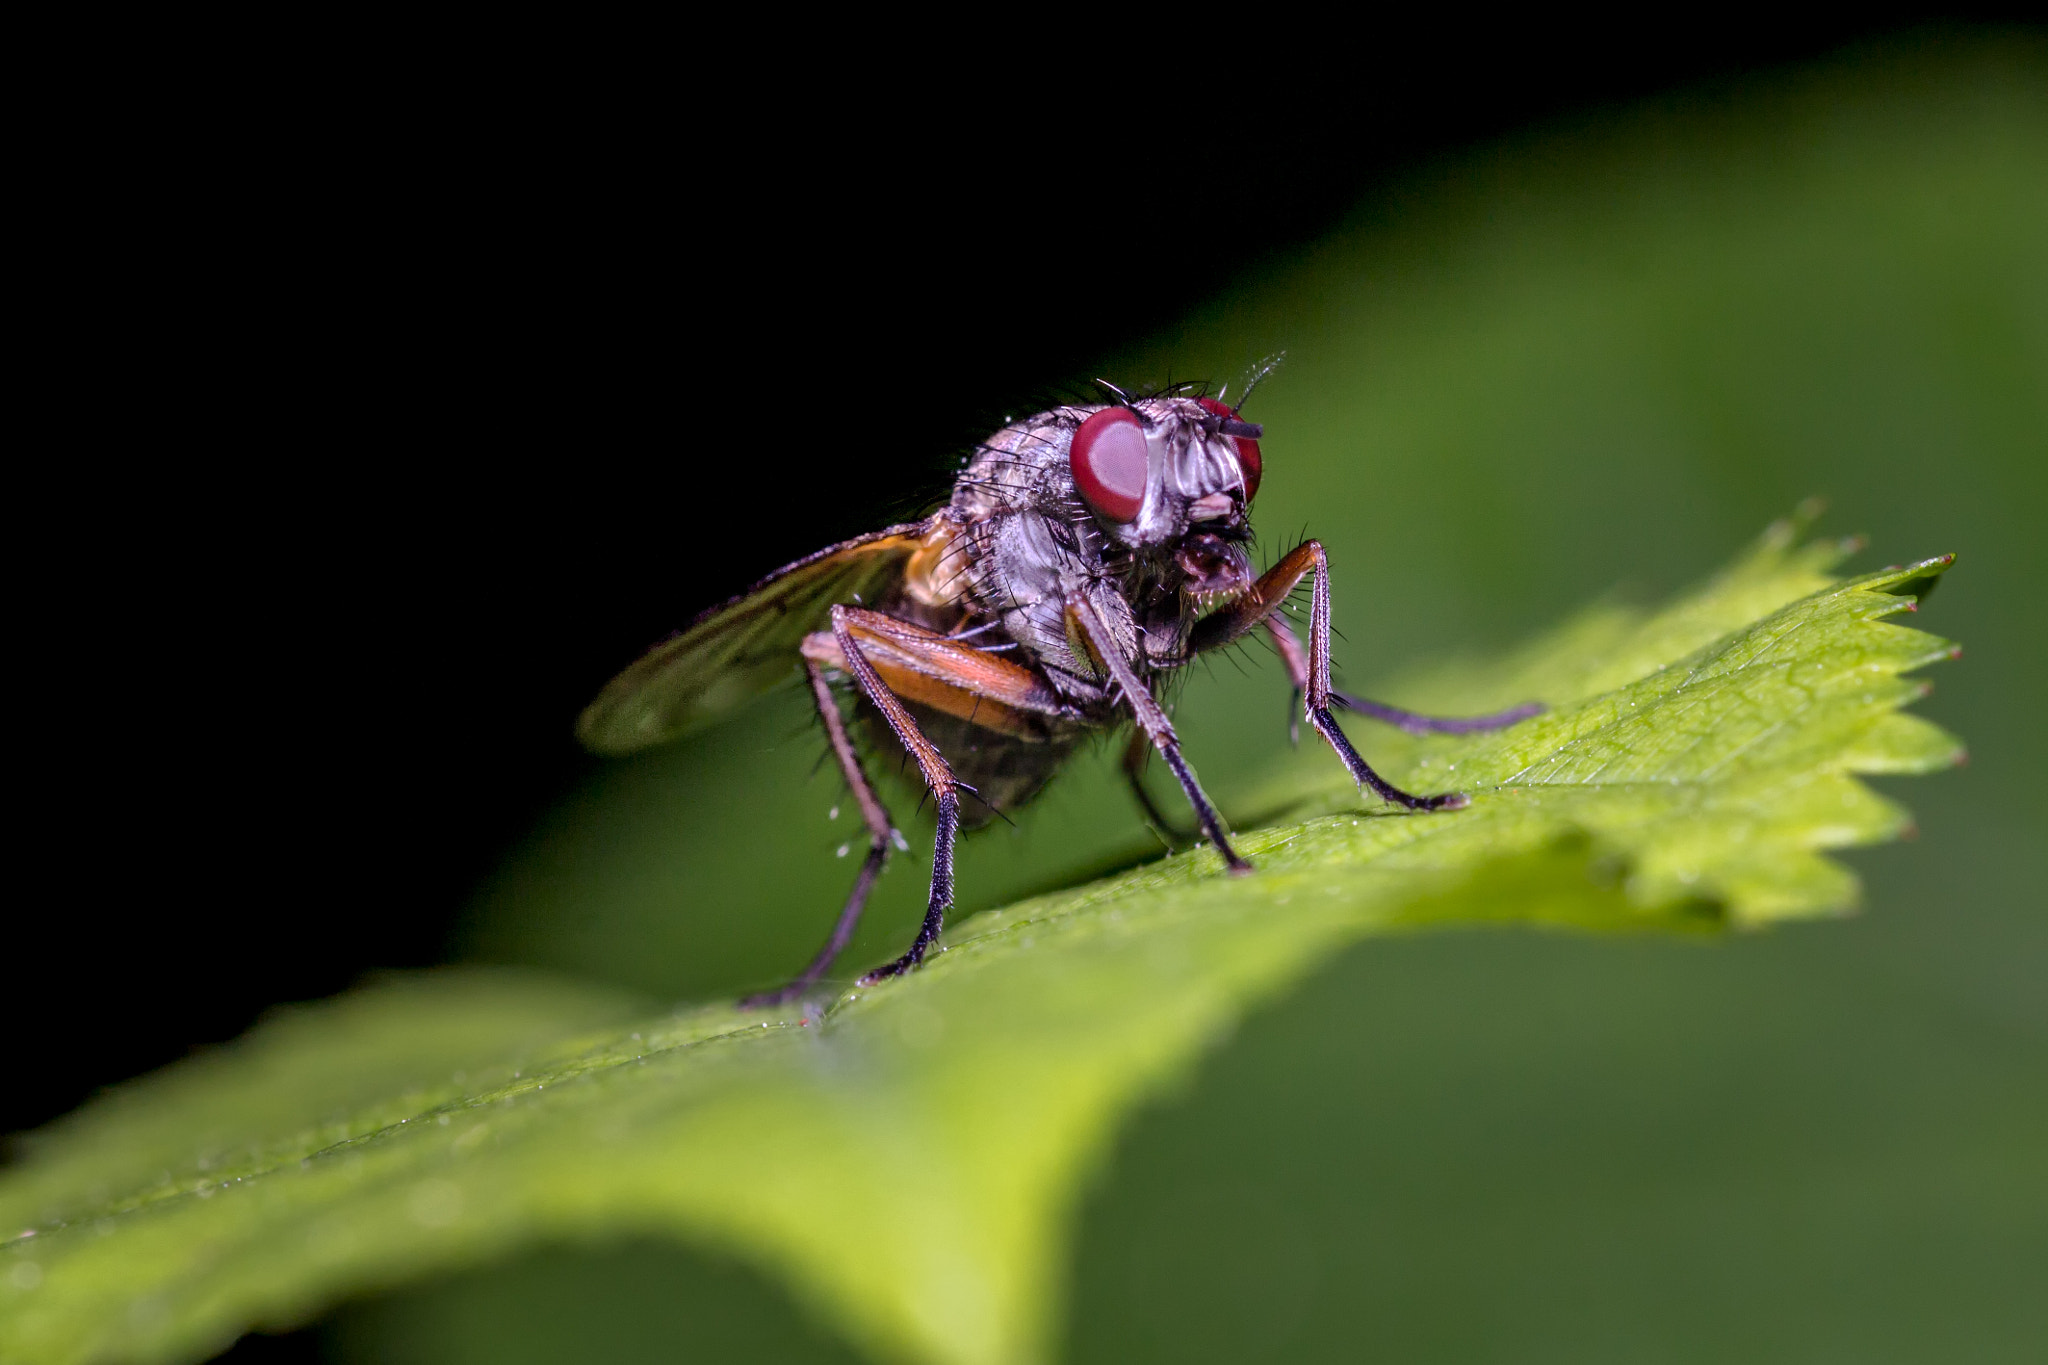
x,y
389,413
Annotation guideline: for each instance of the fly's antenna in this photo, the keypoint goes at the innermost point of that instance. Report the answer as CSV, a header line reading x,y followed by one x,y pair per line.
x,y
1257,377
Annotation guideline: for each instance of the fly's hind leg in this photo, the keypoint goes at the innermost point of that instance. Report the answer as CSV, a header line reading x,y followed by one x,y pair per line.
x,y
882,834
938,776
885,657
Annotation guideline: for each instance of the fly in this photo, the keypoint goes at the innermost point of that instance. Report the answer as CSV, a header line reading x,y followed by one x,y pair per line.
x,y
1086,554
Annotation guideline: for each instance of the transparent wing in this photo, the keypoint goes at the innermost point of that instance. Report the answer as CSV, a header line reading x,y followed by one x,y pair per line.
x,y
739,649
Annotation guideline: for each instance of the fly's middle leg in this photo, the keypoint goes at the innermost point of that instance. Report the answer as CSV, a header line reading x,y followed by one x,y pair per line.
x,y
1135,753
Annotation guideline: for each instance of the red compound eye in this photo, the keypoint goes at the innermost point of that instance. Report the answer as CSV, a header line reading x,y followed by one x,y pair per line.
x,y
1108,459
1248,457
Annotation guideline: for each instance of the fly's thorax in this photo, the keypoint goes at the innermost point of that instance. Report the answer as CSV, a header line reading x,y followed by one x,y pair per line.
x,y
1030,560
1019,467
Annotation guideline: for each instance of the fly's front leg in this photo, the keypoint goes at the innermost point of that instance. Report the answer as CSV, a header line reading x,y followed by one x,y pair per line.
x,y
1152,722
1311,675
1413,722
882,834
1316,695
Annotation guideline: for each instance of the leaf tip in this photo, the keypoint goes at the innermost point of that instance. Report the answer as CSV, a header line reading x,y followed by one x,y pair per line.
x,y
1916,580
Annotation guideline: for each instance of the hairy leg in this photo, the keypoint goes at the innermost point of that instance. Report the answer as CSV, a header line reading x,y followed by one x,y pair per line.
x,y
881,834
849,624
1310,670
1152,722
1135,753
1414,722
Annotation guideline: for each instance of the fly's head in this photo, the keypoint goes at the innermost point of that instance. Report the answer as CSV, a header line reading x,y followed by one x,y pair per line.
x,y
1171,480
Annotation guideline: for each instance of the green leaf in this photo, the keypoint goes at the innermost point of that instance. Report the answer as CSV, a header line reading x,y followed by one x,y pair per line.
x,y
908,1158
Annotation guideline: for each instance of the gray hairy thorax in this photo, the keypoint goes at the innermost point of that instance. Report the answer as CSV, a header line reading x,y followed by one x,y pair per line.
x,y
1032,545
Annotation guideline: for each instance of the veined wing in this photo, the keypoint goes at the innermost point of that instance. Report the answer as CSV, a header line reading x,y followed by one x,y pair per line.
x,y
741,648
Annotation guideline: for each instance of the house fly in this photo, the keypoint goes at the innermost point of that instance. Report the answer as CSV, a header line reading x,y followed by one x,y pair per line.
x,y
1086,554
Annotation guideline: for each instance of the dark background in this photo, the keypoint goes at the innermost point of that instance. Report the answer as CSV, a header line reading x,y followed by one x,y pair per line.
x,y
391,428
405,423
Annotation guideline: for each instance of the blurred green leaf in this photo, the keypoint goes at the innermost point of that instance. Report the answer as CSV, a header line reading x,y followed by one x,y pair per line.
x,y
909,1157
